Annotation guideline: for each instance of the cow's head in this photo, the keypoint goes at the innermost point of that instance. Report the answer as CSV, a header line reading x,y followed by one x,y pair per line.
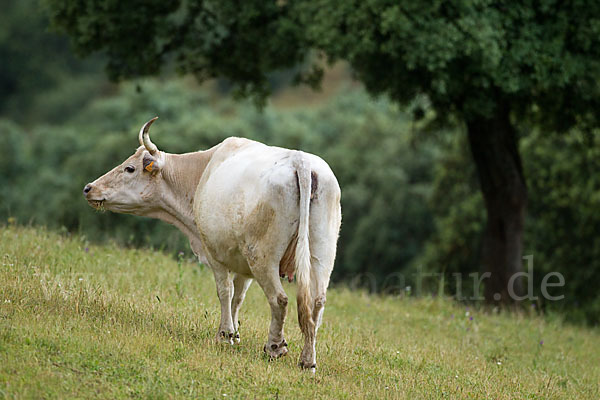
x,y
132,186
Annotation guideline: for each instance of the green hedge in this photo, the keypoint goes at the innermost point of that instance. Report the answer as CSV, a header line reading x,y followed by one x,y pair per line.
x,y
385,180
562,229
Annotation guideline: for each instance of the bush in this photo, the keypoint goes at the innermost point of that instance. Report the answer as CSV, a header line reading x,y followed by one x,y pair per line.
x,y
367,143
562,223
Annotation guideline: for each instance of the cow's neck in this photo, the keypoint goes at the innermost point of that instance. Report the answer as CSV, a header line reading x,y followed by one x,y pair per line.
x,y
180,177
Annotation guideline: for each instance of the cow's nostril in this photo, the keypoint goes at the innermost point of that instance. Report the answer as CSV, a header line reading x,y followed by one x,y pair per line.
x,y
87,188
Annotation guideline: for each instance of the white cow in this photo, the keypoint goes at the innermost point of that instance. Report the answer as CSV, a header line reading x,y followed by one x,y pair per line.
x,y
250,211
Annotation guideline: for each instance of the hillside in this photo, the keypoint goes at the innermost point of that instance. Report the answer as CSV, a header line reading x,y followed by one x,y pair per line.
x,y
78,320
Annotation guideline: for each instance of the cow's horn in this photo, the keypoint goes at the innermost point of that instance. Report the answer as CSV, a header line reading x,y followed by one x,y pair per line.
x,y
145,137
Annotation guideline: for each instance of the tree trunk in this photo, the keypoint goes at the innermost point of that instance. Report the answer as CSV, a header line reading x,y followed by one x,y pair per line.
x,y
494,147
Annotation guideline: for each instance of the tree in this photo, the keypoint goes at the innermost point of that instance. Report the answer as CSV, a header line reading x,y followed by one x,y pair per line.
x,y
486,64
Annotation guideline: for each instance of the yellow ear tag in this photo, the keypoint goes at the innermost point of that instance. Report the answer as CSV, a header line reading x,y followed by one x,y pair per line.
x,y
149,167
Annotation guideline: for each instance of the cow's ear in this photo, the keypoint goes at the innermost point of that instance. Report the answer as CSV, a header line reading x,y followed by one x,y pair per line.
x,y
151,164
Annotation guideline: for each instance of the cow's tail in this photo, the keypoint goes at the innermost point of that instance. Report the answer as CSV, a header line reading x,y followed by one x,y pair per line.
x,y
302,256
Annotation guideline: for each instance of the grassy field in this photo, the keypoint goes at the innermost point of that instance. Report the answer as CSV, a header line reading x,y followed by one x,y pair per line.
x,y
80,321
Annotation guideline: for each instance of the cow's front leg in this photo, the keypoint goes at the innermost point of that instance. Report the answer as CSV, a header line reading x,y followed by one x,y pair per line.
x,y
276,345
241,284
224,282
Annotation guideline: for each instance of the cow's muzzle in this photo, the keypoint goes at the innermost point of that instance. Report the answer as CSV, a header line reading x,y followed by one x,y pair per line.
x,y
97,204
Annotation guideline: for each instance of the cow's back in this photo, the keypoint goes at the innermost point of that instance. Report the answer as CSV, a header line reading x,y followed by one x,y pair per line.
x,y
248,191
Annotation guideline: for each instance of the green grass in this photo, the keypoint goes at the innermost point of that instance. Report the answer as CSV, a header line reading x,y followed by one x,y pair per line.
x,y
77,323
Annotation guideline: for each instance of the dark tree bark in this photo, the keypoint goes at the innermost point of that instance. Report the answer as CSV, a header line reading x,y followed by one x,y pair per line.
x,y
493,143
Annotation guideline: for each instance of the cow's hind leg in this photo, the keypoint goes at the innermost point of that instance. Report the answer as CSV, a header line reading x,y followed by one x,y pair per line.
x,y
319,280
270,283
241,284
224,282
325,220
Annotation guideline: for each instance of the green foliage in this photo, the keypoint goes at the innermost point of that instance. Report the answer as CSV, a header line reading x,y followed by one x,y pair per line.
x,y
79,321
563,219
33,60
457,203
207,39
12,164
562,224
366,142
467,56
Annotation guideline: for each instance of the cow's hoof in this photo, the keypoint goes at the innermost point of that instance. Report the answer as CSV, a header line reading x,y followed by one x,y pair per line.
x,y
226,337
311,367
275,350
236,338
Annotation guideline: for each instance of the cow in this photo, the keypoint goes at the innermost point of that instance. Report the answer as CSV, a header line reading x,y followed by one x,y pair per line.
x,y
250,212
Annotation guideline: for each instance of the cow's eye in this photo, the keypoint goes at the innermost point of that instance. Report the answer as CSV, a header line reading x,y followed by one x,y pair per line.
x,y
130,169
